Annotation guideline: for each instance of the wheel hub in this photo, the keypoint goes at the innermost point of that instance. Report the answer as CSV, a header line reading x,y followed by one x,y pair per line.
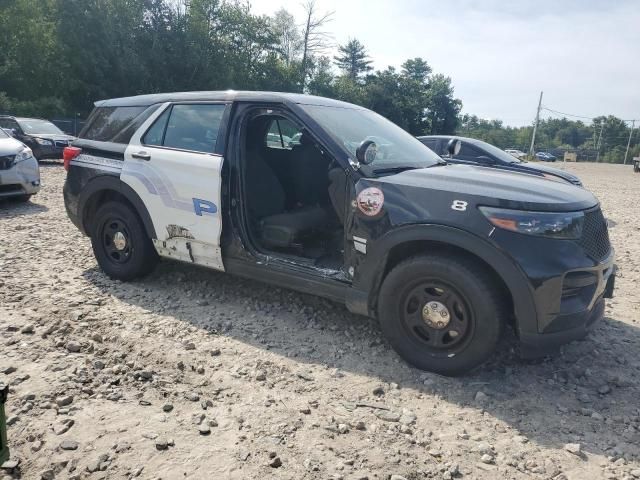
x,y
436,315
119,241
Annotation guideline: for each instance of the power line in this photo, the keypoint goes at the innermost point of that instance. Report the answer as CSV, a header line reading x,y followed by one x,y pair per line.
x,y
582,116
567,114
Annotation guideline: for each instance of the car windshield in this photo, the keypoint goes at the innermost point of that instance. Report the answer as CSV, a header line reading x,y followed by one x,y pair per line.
x,y
397,148
39,126
498,153
3,134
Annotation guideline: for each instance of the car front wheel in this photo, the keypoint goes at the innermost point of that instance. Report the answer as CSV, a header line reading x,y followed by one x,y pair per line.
x,y
120,243
441,313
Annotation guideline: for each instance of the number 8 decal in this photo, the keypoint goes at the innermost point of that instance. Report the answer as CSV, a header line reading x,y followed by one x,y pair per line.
x,y
459,205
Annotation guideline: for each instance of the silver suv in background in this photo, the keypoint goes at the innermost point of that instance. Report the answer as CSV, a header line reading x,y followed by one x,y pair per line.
x,y
19,170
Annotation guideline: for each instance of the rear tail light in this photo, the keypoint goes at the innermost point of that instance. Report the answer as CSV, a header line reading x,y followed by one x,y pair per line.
x,y
68,154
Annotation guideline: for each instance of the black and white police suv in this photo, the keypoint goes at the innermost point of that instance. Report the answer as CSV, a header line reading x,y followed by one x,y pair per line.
x,y
332,199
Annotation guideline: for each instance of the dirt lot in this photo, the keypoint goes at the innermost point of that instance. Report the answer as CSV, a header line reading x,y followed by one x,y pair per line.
x,y
197,374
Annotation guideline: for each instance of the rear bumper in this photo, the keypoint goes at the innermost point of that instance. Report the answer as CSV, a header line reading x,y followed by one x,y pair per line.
x,y
44,152
21,179
71,205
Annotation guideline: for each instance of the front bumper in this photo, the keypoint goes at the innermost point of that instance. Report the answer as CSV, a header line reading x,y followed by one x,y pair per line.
x,y
23,178
535,345
567,286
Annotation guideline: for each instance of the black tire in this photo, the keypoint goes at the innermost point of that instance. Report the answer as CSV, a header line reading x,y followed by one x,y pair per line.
x,y
451,340
137,258
22,198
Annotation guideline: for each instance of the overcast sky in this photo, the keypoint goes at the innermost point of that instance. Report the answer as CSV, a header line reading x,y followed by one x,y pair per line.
x,y
584,54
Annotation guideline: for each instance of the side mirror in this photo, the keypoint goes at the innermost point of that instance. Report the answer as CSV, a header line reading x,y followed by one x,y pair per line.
x,y
454,146
366,152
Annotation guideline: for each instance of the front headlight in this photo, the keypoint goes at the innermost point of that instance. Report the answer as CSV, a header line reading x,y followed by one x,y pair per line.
x,y
44,141
562,225
25,154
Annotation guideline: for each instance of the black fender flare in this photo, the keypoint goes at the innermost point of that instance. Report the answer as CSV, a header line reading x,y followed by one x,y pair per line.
x,y
371,271
108,182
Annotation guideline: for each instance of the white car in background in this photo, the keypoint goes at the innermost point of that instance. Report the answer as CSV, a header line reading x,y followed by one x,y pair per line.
x,y
19,170
519,154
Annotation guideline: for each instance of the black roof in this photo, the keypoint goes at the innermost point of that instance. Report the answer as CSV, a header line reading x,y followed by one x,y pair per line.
x,y
226,96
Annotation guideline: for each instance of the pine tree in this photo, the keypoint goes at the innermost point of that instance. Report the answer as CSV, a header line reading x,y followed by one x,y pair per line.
x,y
353,59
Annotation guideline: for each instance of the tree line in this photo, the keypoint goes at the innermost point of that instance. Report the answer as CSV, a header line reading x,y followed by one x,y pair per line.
x,y
59,56
604,139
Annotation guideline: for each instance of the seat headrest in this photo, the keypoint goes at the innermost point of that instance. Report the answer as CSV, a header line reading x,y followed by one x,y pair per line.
x,y
306,140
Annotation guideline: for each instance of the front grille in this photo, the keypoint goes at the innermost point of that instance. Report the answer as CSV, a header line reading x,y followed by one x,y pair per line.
x,y
4,189
6,162
61,143
595,235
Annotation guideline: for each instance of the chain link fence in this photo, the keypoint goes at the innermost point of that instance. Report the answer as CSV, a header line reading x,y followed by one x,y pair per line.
x,y
70,126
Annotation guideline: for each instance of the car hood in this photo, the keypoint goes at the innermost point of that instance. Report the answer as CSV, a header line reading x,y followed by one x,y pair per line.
x,y
552,171
496,187
10,146
52,136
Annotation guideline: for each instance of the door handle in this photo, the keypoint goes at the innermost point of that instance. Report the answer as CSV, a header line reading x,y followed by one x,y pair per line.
x,y
141,156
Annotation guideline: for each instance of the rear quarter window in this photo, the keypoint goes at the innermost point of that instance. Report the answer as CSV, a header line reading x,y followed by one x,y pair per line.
x,y
115,124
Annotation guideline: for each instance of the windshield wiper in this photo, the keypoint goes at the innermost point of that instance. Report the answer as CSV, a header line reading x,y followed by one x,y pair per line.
x,y
394,169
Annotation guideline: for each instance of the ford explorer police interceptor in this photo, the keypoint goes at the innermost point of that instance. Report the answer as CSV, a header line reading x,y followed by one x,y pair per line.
x,y
332,199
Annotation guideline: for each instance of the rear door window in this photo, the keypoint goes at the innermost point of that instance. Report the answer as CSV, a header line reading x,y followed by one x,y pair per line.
x,y
192,127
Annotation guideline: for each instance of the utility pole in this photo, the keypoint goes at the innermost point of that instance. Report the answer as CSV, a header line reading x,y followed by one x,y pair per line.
x,y
599,142
633,124
535,128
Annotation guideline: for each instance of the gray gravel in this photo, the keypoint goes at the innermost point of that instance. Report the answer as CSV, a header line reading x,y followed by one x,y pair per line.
x,y
107,379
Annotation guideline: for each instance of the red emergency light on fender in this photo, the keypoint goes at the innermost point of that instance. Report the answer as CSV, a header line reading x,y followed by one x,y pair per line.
x,y
68,154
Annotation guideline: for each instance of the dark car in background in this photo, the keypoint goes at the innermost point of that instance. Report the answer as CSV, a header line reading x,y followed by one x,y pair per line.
x,y
41,136
477,152
545,157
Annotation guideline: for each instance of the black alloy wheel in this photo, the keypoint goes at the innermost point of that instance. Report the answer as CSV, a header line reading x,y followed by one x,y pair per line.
x,y
438,316
116,240
120,242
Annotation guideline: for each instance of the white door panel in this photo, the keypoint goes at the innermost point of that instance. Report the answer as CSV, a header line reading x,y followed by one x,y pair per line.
x,y
182,193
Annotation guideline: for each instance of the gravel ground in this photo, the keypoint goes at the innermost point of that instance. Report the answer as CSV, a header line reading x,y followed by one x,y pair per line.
x,y
197,374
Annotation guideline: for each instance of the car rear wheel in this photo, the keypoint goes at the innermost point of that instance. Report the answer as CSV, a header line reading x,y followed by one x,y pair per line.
x,y
441,313
120,243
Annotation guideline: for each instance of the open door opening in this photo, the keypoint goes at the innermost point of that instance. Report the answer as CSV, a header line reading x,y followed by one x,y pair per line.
x,y
293,200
